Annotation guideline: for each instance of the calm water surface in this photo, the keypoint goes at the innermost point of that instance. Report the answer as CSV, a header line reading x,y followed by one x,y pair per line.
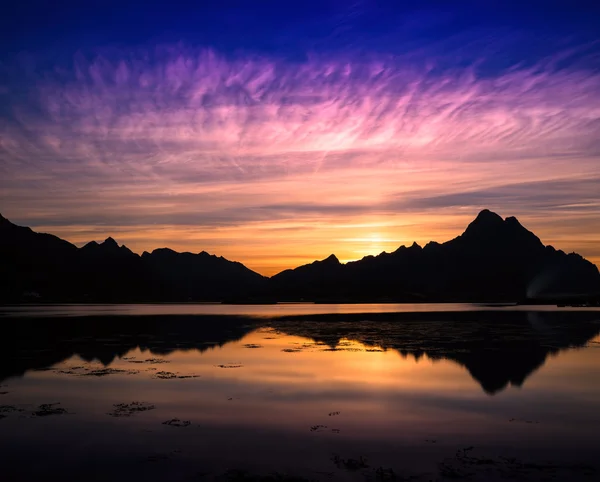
x,y
276,309
331,394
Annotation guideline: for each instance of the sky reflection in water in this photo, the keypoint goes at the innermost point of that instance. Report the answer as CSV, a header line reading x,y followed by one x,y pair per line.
x,y
269,399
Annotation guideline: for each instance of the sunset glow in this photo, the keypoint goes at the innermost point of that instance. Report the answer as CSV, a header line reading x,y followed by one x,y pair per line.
x,y
275,161
299,240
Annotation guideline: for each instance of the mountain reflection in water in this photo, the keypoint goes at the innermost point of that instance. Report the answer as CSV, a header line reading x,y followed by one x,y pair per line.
x,y
374,396
497,348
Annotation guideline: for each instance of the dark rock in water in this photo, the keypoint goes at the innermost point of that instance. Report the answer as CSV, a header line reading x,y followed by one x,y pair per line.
x,y
155,361
350,463
165,375
103,372
47,409
175,422
4,409
129,409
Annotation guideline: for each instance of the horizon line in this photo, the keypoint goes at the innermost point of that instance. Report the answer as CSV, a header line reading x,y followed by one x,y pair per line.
x,y
80,245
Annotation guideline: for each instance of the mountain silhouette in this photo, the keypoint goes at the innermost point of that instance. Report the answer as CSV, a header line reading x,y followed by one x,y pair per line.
x,y
495,259
34,262
42,267
187,276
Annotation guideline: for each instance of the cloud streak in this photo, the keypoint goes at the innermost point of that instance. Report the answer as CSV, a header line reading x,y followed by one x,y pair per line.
x,y
180,103
181,136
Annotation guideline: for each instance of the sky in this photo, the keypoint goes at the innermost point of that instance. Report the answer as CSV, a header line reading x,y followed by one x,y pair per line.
x,y
277,133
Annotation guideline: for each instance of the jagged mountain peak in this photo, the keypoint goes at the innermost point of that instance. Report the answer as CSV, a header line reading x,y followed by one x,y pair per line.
x,y
485,221
488,216
110,242
495,259
413,247
489,229
332,259
106,249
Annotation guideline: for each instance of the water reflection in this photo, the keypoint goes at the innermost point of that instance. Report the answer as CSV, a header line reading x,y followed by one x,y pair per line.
x,y
497,348
326,397
264,310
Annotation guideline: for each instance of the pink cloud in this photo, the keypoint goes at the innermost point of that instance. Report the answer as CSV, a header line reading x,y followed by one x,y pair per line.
x,y
184,133
197,103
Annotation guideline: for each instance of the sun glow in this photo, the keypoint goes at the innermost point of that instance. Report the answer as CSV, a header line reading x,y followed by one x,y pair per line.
x,y
276,164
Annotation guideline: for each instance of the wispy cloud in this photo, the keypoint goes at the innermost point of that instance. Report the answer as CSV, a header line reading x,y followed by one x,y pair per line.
x,y
177,103
183,136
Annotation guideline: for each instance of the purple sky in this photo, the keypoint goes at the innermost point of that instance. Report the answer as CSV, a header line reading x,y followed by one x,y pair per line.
x,y
274,159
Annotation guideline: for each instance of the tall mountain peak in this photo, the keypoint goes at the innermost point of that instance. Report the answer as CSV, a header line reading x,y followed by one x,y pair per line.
x,y
495,259
331,259
489,229
487,224
486,219
110,242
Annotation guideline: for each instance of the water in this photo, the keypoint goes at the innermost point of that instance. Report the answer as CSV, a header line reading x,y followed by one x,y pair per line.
x,y
334,394
272,310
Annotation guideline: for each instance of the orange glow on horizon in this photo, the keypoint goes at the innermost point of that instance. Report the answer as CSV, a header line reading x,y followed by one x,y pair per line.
x,y
271,247
288,221
350,156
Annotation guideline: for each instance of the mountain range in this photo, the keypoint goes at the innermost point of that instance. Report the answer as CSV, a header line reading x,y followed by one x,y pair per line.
x,y
494,260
